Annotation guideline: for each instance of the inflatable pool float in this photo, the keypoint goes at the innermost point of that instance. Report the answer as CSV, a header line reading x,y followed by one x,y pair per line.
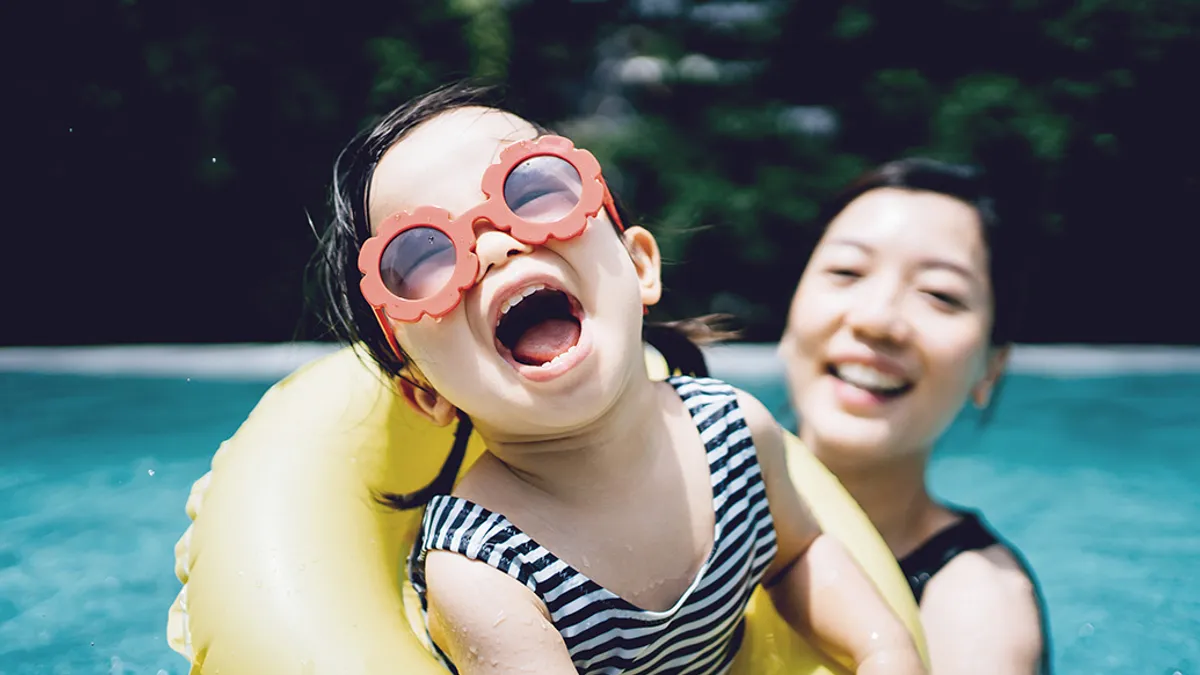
x,y
292,567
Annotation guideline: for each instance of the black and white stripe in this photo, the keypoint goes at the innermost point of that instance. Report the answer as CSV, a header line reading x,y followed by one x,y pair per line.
x,y
604,633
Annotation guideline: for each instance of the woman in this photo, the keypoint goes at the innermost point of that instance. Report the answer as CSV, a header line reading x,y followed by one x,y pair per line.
x,y
905,311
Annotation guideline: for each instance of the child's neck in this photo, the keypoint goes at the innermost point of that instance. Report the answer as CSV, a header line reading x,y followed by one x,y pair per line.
x,y
616,448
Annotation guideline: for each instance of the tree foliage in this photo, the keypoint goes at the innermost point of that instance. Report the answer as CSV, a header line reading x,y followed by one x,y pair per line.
x,y
171,155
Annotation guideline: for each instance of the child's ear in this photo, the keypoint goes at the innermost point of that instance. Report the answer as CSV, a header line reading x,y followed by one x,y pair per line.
x,y
643,249
428,403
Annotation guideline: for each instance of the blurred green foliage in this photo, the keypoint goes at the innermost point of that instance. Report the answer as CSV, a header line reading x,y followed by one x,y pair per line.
x,y
200,139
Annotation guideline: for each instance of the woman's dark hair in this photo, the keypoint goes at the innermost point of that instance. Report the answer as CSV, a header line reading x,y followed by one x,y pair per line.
x,y
352,320
1000,218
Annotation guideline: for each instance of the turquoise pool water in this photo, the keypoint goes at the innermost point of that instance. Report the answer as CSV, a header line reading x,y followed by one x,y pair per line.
x,y
1097,480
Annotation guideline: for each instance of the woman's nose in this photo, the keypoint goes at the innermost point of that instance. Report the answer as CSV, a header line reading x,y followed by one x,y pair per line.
x,y
878,315
495,248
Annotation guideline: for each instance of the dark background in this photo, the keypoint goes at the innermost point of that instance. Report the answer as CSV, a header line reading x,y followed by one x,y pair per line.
x,y
167,156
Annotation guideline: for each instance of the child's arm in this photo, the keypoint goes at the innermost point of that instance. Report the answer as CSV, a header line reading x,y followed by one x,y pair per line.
x,y
488,622
815,584
824,594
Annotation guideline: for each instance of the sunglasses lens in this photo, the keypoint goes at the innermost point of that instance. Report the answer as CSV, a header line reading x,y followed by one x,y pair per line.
x,y
417,263
542,189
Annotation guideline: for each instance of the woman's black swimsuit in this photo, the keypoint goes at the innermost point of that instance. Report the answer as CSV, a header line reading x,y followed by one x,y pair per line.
x,y
970,533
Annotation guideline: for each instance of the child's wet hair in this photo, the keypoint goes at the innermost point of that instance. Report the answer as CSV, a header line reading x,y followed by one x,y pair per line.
x,y
352,320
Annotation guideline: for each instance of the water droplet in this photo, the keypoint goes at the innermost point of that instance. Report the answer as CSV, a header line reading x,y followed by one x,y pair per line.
x,y
1086,629
93,644
150,471
189,379
162,672
70,130
214,160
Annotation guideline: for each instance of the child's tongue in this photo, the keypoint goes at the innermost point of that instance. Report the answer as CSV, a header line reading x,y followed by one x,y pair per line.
x,y
545,340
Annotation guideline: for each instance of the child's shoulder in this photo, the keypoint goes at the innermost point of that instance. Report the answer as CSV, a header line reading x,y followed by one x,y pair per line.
x,y
689,386
755,412
765,430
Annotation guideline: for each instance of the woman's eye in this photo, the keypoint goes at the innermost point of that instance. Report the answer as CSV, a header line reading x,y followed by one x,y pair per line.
x,y
947,299
844,273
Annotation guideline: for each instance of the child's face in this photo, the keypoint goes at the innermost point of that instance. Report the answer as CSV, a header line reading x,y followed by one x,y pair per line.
x,y
557,359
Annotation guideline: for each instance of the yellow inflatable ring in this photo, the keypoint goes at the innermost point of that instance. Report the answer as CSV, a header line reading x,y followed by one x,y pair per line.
x,y
291,567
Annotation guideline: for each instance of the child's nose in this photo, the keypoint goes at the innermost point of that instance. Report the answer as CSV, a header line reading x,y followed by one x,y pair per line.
x,y
494,249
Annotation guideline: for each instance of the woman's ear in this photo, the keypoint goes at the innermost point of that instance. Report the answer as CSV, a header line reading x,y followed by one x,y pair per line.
x,y
428,403
997,360
643,249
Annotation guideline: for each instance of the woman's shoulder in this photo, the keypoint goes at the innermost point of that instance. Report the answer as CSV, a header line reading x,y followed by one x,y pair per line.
x,y
992,573
983,606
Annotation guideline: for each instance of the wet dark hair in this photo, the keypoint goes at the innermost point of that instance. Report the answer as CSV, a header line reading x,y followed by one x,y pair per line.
x,y
352,320
1001,219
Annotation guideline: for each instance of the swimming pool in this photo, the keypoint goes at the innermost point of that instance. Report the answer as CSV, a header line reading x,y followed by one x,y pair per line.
x,y
1094,478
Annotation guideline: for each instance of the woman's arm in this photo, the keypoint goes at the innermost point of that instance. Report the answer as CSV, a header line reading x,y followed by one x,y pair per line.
x,y
489,623
815,584
981,615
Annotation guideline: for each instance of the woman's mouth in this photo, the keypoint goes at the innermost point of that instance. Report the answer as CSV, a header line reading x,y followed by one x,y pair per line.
x,y
872,381
540,330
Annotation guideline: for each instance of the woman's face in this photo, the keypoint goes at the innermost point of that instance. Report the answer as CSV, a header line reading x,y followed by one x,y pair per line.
x,y
521,362
888,331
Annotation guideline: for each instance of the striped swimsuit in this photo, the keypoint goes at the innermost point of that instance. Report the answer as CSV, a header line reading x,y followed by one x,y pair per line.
x,y
604,633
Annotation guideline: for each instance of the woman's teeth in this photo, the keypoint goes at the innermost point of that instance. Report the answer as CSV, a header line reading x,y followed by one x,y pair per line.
x,y
866,377
518,297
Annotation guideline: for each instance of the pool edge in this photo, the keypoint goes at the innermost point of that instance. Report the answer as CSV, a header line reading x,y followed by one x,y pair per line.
x,y
271,361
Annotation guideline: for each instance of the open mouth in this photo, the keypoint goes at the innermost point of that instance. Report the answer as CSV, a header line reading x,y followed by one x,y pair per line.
x,y
540,326
876,382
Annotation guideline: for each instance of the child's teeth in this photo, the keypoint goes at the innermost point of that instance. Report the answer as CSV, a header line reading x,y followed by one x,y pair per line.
x,y
558,358
867,377
517,298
